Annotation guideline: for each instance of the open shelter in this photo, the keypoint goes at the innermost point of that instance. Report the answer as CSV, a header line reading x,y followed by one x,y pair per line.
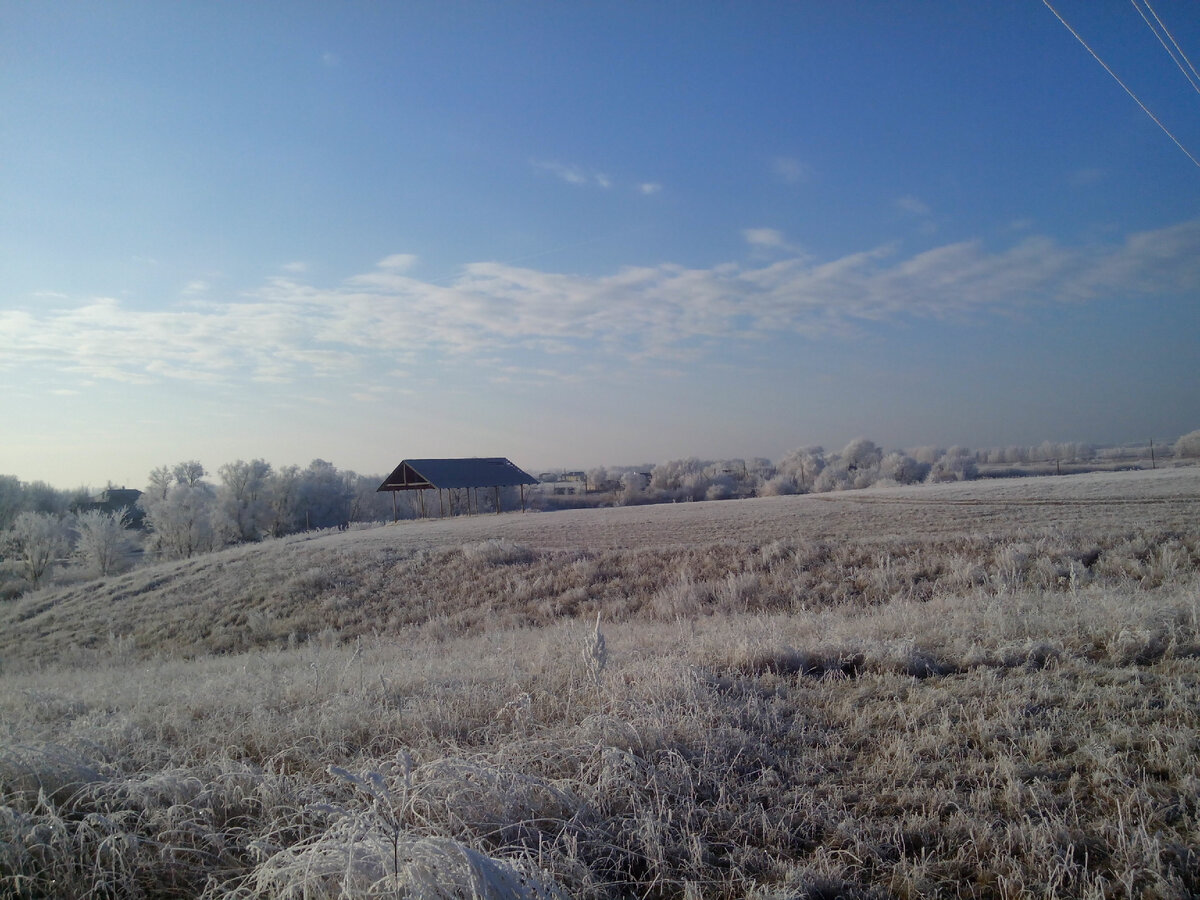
x,y
471,473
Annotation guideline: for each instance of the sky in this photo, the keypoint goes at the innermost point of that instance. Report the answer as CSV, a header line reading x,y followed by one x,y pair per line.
x,y
594,233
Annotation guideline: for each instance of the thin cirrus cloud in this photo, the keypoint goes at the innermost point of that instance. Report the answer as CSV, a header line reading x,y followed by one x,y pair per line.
x,y
915,205
573,174
790,170
287,330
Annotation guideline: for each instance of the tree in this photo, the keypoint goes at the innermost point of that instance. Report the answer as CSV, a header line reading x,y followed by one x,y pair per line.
x,y
633,487
903,469
160,483
1188,445
103,540
244,513
799,469
180,515
323,495
12,498
955,465
36,540
188,473
860,453
282,491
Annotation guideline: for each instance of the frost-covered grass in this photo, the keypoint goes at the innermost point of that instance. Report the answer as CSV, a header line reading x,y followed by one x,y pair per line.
x,y
792,709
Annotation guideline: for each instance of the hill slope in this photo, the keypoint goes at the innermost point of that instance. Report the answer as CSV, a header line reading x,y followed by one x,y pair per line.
x,y
975,690
658,562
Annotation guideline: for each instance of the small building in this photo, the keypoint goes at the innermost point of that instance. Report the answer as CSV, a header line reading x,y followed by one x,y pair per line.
x,y
451,475
114,500
563,484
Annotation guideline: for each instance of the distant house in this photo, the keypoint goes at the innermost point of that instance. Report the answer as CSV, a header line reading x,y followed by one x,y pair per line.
x,y
562,484
122,499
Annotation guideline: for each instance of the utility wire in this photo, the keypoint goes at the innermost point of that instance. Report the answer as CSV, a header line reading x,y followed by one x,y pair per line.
x,y
1125,87
1177,53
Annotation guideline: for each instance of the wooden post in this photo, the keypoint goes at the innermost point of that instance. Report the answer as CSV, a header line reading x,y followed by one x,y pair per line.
x,y
441,508
497,499
522,498
395,512
1152,465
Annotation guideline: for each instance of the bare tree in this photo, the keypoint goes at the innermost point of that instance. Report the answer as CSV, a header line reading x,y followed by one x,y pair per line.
x,y
283,490
324,495
189,472
103,540
36,540
160,483
244,510
180,518
11,499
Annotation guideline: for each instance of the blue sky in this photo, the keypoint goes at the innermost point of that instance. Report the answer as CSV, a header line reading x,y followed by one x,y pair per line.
x,y
588,233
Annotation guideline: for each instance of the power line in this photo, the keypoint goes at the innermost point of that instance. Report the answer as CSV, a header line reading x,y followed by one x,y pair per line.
x,y
1177,55
1124,86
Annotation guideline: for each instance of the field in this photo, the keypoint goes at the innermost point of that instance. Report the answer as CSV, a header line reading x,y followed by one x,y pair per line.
x,y
982,689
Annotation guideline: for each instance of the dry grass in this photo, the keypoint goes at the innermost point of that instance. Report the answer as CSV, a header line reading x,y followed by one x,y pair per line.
x,y
944,714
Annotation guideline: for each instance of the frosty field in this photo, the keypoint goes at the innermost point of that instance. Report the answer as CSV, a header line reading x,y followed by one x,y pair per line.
x,y
980,689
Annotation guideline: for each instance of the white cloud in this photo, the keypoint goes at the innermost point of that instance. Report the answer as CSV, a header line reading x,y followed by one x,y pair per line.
x,y
649,187
1087,176
398,262
915,205
295,268
573,174
385,320
764,237
790,170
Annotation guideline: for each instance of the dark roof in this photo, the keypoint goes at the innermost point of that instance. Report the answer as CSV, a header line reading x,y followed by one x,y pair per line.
x,y
423,474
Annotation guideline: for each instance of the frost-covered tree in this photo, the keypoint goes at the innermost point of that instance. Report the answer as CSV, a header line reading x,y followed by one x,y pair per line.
x,y
680,479
956,464
598,479
189,472
633,488
12,498
243,510
283,491
860,453
323,495
367,504
36,541
179,515
928,455
1188,446
798,470
104,542
777,485
903,469
834,477
159,483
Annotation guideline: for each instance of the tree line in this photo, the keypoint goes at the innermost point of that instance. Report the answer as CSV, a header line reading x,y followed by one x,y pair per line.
x,y
182,513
